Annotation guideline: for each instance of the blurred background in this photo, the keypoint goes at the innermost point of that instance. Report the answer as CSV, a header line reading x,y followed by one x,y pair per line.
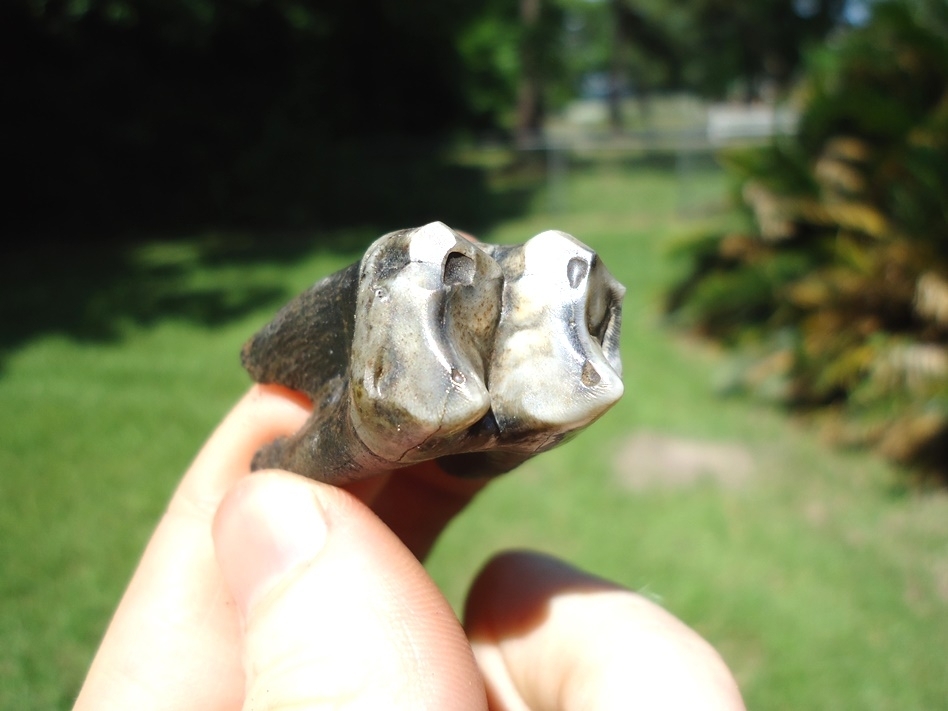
x,y
768,179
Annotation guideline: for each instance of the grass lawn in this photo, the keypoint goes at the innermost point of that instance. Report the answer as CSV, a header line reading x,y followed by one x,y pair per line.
x,y
822,580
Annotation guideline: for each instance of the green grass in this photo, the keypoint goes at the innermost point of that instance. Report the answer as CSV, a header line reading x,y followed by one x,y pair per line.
x,y
822,581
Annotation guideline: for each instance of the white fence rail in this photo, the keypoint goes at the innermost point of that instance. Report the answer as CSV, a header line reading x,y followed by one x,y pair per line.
x,y
723,125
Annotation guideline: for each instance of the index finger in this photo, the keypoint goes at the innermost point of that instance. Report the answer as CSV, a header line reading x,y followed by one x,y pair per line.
x,y
175,628
416,502
264,413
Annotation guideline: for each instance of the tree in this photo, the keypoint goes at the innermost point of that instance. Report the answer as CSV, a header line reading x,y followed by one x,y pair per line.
x,y
757,42
175,112
840,287
712,47
636,33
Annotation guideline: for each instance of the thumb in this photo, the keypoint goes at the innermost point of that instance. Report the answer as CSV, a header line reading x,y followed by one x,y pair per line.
x,y
336,612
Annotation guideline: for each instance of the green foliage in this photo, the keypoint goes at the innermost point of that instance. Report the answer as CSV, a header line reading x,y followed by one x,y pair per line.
x,y
151,115
490,47
713,48
730,44
857,203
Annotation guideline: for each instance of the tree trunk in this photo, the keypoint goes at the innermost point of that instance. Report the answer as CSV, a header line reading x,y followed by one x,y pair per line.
x,y
619,41
530,93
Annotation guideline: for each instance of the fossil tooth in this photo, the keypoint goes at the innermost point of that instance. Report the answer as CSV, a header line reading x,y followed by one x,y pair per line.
x,y
418,356
559,326
434,347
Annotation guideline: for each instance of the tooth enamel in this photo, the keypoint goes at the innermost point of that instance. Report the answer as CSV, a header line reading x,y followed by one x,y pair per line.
x,y
433,347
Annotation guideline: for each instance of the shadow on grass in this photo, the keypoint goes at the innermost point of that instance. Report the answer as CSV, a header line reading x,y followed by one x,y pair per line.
x,y
88,292
89,285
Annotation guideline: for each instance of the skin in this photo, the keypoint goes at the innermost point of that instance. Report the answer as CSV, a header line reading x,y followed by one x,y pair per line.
x,y
271,591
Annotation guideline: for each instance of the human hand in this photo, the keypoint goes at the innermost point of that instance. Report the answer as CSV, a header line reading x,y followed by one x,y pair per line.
x,y
273,591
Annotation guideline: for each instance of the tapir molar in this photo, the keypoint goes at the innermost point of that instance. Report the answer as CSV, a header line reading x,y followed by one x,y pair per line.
x,y
550,372
443,336
416,380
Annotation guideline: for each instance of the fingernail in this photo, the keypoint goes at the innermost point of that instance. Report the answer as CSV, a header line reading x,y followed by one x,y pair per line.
x,y
266,526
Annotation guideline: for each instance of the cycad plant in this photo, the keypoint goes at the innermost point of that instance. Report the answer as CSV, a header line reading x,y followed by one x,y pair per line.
x,y
837,291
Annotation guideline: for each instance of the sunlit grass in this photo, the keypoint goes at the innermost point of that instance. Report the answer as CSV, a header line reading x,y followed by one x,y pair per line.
x,y
821,581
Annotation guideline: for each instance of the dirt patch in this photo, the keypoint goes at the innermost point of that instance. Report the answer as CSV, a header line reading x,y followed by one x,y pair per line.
x,y
649,460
